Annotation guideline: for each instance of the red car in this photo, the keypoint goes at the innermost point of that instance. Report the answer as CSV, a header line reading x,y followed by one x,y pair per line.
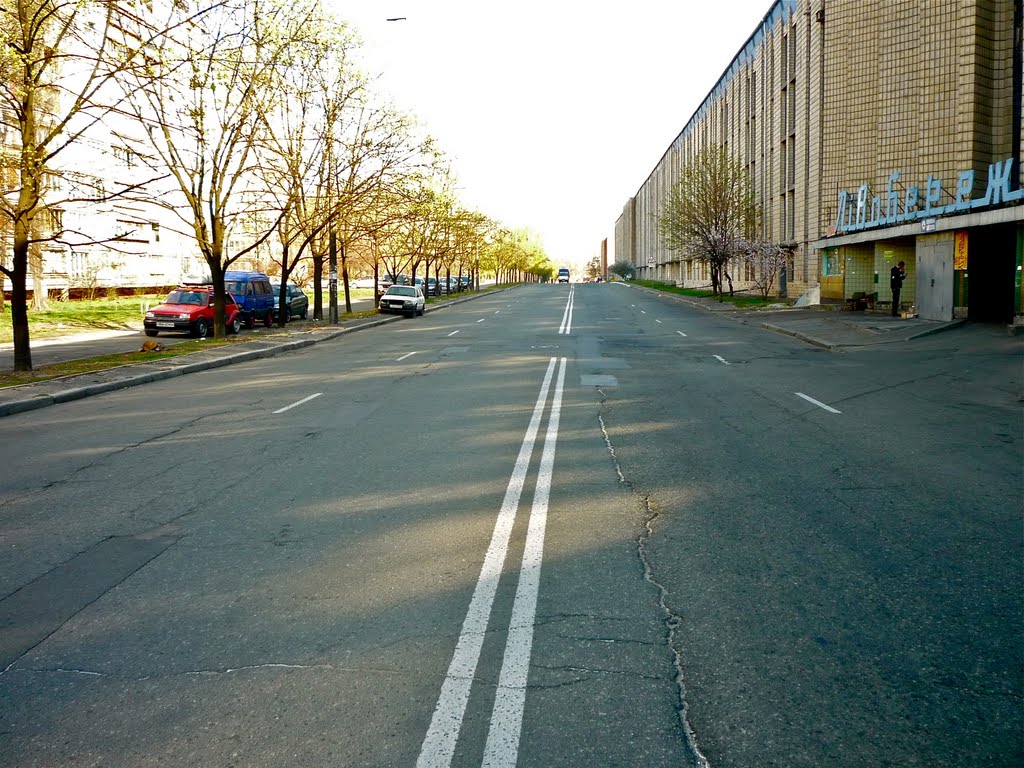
x,y
189,309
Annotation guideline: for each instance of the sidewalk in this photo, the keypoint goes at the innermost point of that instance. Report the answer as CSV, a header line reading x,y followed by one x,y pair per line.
x,y
831,329
825,326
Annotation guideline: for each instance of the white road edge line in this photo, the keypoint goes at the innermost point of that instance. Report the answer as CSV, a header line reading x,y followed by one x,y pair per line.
x,y
481,319
721,359
300,402
681,333
810,399
503,737
453,333
404,356
439,743
657,321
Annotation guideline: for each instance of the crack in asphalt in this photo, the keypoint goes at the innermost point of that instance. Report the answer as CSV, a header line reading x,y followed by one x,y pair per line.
x,y
51,484
606,640
90,603
672,620
218,672
594,671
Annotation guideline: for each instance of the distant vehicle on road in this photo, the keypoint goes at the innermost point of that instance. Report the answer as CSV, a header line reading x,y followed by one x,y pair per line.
x,y
189,309
563,275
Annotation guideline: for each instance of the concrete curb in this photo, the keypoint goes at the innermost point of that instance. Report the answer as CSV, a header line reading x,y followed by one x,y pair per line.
x,y
937,329
829,345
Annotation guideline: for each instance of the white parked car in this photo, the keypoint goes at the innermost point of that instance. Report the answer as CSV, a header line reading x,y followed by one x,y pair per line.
x,y
363,282
403,299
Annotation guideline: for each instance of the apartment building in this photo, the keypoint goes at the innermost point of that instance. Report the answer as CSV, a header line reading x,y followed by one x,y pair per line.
x,y
873,133
102,220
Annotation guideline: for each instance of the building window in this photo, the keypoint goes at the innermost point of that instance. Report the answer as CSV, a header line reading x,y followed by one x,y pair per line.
x,y
131,232
791,216
54,220
831,263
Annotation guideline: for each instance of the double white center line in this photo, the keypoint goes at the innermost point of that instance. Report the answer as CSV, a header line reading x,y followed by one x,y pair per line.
x,y
566,325
502,746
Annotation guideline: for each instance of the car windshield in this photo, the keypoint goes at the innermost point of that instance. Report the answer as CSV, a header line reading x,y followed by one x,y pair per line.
x,y
186,297
235,286
399,290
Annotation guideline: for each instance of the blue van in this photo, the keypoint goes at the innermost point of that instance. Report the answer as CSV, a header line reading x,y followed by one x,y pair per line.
x,y
253,294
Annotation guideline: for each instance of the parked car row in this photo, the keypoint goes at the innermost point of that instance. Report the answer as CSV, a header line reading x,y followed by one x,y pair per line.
x,y
432,286
249,297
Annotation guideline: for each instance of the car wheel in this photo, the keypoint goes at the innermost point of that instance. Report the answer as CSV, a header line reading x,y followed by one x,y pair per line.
x,y
151,333
422,310
250,321
236,325
269,319
305,311
287,314
202,328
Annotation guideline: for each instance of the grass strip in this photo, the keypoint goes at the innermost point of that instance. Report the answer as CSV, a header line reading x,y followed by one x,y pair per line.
x,y
740,301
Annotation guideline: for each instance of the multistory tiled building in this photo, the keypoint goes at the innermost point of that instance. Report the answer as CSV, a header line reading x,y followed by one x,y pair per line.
x,y
873,132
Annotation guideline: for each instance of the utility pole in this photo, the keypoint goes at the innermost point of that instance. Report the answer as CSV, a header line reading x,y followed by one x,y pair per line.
x,y
332,250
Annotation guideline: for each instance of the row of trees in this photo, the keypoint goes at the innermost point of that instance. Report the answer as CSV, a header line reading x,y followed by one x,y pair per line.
x,y
712,216
247,121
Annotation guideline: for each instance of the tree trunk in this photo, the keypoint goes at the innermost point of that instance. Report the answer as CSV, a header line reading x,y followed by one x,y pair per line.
x,y
219,298
318,282
19,299
344,277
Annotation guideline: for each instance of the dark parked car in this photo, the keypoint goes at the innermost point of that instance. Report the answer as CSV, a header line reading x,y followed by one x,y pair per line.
x,y
298,302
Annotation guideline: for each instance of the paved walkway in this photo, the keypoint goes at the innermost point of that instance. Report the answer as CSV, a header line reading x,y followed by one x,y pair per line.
x,y
831,329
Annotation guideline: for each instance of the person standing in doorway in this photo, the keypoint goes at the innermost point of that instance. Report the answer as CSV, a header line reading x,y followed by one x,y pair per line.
x,y
896,277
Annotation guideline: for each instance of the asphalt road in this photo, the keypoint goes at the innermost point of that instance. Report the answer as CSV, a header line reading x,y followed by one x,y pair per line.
x,y
561,525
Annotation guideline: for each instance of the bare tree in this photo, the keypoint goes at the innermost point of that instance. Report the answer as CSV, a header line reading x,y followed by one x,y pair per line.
x,y
766,261
60,61
380,157
206,113
709,212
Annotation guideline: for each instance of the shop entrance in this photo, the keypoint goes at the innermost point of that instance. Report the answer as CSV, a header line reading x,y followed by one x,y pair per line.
x,y
991,262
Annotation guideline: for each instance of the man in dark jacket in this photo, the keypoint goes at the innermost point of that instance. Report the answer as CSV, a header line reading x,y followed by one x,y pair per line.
x,y
896,277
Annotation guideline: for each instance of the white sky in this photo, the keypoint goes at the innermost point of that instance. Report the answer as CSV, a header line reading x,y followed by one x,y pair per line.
x,y
553,113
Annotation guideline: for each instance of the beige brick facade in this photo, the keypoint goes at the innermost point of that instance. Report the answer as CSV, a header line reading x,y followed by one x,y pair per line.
x,y
829,95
